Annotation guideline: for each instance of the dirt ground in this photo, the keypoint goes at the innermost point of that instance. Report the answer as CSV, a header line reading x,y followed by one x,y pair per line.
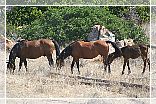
x,y
80,101
43,81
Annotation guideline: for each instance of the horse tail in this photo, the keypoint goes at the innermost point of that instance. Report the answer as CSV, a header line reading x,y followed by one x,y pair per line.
x,y
117,49
57,47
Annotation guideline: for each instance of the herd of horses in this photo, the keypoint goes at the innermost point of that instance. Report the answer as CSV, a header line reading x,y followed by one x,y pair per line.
x,y
79,49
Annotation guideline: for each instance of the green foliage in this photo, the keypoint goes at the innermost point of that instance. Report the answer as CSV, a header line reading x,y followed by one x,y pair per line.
x,y
70,23
138,14
143,13
20,16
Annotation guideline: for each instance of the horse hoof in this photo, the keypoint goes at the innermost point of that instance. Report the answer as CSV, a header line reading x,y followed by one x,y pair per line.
x,y
122,73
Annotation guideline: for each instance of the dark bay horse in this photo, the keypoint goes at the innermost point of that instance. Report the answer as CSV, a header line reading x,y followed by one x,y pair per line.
x,y
32,50
132,52
86,50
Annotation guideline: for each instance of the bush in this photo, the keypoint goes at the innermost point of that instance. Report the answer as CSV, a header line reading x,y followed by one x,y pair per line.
x,y
72,23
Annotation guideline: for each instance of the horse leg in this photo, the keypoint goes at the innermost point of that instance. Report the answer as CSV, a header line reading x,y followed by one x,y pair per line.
x,y
20,64
129,70
109,68
77,63
50,60
13,69
148,61
72,65
25,64
145,61
105,62
125,61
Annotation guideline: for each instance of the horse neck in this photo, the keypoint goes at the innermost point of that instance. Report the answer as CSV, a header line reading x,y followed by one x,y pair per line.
x,y
114,56
117,49
14,52
66,52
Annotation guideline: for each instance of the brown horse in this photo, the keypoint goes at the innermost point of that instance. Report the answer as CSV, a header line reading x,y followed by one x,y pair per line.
x,y
132,52
86,50
32,50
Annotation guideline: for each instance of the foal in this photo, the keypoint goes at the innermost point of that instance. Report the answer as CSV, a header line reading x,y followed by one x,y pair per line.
x,y
132,52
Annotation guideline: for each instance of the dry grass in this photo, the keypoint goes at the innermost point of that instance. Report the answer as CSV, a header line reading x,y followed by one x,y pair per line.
x,y
80,101
43,81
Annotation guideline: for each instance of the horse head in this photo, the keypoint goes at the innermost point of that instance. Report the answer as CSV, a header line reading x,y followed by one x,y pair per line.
x,y
63,55
59,62
10,65
12,56
110,58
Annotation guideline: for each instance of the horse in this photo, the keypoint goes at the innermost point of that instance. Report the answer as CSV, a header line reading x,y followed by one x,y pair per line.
x,y
132,52
32,49
85,50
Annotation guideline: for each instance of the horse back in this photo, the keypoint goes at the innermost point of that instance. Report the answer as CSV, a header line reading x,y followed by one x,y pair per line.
x,y
88,50
36,48
131,51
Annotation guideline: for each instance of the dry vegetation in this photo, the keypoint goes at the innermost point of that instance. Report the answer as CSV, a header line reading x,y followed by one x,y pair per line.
x,y
43,81
80,101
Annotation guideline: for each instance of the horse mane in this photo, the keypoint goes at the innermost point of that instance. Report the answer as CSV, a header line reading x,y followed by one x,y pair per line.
x,y
118,51
57,47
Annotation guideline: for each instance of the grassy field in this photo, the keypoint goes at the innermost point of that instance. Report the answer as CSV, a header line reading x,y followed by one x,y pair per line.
x,y
43,81
80,101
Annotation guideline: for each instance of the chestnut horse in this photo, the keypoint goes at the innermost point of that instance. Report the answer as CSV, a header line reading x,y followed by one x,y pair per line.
x,y
132,52
32,50
86,50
